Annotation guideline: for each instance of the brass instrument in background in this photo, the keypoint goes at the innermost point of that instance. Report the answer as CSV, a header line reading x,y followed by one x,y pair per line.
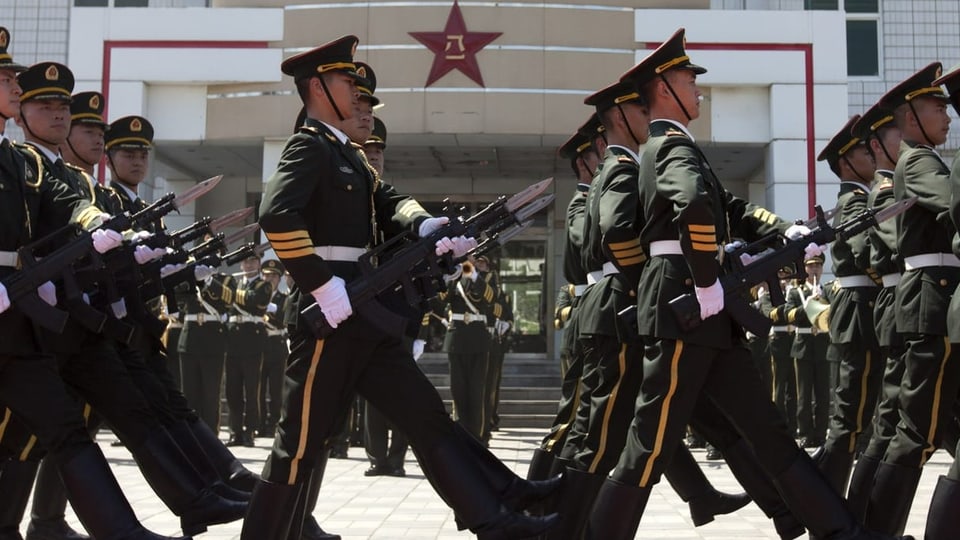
x,y
817,309
467,268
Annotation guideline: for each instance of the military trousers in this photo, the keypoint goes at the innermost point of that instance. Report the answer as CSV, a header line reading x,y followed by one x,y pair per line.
x,y
676,375
271,383
243,389
784,378
321,380
813,388
858,388
377,432
563,422
491,417
468,375
171,338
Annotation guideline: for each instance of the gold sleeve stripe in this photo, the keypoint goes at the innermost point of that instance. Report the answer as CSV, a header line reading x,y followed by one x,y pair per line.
x,y
628,252
292,244
425,320
706,238
488,294
289,235
704,247
294,253
241,296
633,260
410,209
695,228
775,316
497,311
88,217
565,314
792,314
624,245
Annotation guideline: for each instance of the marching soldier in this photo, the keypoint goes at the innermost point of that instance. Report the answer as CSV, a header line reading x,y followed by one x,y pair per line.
x,y
35,205
852,331
275,353
878,128
687,215
780,344
931,378
246,342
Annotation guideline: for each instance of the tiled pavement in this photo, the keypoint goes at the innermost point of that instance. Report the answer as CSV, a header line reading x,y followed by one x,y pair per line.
x,y
358,507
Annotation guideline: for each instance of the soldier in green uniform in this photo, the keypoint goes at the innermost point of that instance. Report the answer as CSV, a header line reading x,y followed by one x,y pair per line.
x,y
36,204
276,351
246,343
852,330
780,345
687,214
931,377
809,349
878,128
498,326
322,209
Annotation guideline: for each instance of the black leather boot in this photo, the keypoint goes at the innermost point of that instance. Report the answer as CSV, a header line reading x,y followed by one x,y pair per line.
x,y
573,503
454,473
559,465
188,443
97,500
692,486
817,505
180,487
835,465
617,511
540,465
891,497
743,465
16,483
49,505
861,484
311,529
271,510
231,471
944,509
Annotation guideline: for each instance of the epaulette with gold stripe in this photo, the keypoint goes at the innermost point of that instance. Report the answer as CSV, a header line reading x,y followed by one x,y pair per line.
x,y
765,216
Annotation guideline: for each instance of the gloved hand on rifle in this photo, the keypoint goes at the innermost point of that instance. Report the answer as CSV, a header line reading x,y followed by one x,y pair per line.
x,y
418,346
501,327
168,269
271,308
795,232
105,239
710,299
202,272
4,299
333,301
48,292
458,245
144,254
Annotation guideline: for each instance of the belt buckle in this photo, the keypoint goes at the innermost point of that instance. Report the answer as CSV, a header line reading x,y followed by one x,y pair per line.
x,y
467,317
199,318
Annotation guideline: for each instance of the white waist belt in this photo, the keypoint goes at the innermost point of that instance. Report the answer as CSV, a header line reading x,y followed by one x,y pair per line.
x,y
246,319
891,280
339,253
805,330
847,282
271,332
201,318
608,270
9,258
930,259
578,289
468,317
660,248
779,328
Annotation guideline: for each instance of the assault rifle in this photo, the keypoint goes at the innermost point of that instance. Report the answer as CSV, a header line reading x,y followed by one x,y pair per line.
x,y
776,252
412,264
179,239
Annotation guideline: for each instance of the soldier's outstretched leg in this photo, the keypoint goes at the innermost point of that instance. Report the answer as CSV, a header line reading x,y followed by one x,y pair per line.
x,y
573,503
183,436
275,505
692,486
944,508
107,515
617,511
861,484
228,466
180,486
743,465
49,504
16,482
312,529
889,505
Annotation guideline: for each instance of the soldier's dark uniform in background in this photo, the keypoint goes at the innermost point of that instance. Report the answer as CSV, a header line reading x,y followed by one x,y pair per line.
x,y
931,377
246,342
501,321
274,356
202,346
784,372
851,326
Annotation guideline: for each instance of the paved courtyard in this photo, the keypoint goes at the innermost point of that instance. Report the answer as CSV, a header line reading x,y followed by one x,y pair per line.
x,y
385,508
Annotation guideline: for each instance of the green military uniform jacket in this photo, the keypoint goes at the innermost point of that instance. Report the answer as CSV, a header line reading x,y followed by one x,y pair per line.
x,y
923,296
573,246
683,200
469,337
209,306
324,193
851,315
798,318
250,299
611,234
953,314
884,257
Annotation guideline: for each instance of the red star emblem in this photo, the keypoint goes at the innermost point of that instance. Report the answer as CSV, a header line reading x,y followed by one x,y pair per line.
x,y
455,47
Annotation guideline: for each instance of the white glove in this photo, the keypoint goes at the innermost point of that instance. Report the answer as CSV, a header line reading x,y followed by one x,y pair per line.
x,y
711,299
144,254
813,250
271,308
501,327
202,272
748,259
105,239
168,269
4,299
119,308
48,292
418,345
333,301
796,231
429,225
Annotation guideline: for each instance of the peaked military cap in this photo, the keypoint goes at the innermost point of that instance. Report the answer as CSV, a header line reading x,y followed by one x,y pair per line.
x,y
591,128
336,55
367,83
951,79
6,59
671,54
129,132
87,108
46,80
574,146
615,94
842,142
876,117
272,265
919,85
379,133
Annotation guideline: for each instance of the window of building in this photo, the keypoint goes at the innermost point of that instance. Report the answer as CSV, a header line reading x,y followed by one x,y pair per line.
x,y
863,33
111,3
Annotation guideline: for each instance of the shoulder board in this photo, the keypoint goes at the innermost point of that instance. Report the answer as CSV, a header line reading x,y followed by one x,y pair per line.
x,y
625,159
859,191
26,148
673,132
309,129
886,183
